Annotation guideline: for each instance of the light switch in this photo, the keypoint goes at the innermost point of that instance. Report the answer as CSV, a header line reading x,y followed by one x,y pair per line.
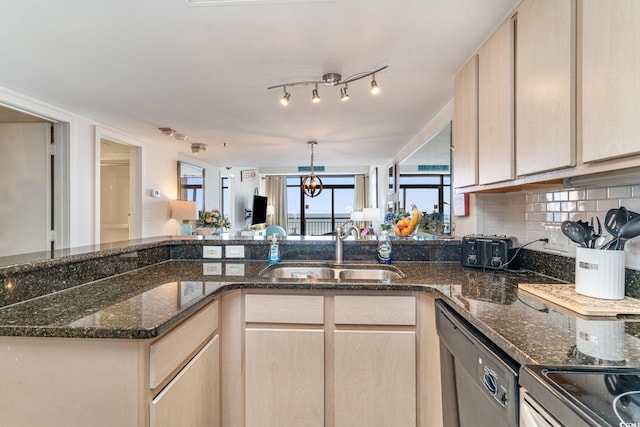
x,y
234,251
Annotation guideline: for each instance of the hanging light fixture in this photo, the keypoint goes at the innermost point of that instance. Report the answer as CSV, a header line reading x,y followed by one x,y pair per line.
x,y
330,79
311,184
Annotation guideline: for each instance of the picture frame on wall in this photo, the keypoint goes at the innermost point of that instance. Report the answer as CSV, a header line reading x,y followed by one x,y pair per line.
x,y
248,175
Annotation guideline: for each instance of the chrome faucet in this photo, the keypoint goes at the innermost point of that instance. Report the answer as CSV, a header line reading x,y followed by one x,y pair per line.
x,y
341,237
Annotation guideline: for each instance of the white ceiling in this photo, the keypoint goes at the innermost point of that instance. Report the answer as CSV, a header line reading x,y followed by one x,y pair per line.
x,y
138,65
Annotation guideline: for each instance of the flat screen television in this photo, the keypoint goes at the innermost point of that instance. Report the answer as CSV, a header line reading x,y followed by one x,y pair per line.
x,y
259,215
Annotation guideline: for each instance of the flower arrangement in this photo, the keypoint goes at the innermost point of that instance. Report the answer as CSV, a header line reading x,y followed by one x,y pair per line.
x,y
212,219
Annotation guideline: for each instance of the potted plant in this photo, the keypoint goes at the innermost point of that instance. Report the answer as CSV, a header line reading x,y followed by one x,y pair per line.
x,y
212,222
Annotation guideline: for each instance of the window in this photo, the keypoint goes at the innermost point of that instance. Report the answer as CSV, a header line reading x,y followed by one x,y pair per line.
x,y
225,197
315,216
430,193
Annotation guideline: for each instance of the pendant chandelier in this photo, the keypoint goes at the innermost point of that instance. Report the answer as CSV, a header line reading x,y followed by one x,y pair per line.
x,y
311,184
330,79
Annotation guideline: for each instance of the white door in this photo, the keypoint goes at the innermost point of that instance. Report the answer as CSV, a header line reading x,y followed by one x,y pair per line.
x,y
25,177
115,191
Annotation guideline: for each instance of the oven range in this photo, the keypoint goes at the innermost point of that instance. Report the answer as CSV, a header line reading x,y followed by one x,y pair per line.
x,y
579,396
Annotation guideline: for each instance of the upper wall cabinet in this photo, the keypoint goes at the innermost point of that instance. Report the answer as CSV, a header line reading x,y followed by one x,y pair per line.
x,y
610,79
495,107
465,125
545,85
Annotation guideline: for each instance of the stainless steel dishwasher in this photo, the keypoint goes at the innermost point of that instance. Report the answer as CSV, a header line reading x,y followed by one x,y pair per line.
x,y
479,381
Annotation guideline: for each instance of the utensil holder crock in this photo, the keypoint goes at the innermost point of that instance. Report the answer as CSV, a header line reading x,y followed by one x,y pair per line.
x,y
600,274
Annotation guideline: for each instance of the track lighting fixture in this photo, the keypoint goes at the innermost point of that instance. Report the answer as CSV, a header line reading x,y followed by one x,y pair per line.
x,y
315,98
285,98
312,184
374,85
331,79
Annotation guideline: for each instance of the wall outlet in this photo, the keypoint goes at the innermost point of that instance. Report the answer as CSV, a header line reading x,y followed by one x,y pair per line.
x,y
234,269
234,251
557,241
212,252
212,268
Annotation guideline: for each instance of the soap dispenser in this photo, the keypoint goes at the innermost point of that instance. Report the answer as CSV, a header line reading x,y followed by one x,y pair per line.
x,y
384,252
274,250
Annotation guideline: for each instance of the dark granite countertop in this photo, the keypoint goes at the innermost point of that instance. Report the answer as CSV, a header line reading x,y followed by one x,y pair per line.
x,y
149,301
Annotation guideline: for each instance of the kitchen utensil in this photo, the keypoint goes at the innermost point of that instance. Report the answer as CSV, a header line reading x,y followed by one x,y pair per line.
x,y
628,231
575,232
590,234
615,219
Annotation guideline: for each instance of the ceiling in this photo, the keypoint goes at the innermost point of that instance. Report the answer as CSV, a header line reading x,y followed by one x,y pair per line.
x,y
137,65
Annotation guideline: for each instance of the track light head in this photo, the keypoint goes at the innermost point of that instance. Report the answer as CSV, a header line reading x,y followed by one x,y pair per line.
x,y
315,98
375,89
344,95
285,98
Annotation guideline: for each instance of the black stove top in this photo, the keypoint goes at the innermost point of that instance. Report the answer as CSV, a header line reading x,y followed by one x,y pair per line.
x,y
610,396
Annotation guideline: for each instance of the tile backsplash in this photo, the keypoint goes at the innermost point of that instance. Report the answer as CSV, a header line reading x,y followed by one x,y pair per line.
x,y
536,214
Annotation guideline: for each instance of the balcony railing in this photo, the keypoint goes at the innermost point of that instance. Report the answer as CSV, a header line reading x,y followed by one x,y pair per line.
x,y
316,225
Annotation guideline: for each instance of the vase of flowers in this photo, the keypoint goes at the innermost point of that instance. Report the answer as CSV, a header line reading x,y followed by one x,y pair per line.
x,y
211,222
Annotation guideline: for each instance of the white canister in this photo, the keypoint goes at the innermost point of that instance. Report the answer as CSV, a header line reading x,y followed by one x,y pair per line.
x,y
600,274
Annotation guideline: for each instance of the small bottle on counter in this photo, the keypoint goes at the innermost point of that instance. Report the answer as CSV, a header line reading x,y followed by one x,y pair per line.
x,y
274,250
384,252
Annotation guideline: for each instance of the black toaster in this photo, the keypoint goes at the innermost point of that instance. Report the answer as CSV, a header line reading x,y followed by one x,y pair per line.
x,y
483,251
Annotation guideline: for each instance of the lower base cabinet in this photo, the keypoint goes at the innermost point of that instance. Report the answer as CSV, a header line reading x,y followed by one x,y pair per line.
x,y
375,378
329,360
284,377
191,398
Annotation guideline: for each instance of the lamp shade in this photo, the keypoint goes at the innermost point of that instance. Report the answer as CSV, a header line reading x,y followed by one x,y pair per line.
x,y
184,210
371,214
357,216
271,210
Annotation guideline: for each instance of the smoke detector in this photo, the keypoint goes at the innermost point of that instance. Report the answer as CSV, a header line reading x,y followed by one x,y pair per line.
x,y
197,147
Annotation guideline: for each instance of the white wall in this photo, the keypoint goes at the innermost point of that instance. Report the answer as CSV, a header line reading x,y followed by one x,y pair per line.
x,y
158,168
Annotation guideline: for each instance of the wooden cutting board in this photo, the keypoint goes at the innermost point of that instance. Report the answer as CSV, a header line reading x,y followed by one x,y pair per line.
x,y
566,296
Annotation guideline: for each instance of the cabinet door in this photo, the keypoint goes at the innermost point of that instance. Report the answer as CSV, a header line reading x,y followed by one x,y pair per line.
x,y
284,377
375,378
192,397
465,126
495,107
545,86
610,78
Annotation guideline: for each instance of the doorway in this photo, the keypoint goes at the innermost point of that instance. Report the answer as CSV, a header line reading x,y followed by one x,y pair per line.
x,y
115,191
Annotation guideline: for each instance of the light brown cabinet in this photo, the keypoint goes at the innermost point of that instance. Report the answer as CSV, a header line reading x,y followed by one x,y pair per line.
x,y
465,125
545,86
495,107
284,364
610,79
329,359
173,380
192,397
375,361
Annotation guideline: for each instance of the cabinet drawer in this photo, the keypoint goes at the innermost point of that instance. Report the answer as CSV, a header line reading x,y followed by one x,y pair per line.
x,y
170,351
375,310
308,309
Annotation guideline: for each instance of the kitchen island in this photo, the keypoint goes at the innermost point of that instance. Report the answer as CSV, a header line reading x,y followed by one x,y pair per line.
x,y
134,313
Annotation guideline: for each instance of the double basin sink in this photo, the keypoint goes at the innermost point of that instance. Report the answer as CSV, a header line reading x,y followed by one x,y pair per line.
x,y
331,271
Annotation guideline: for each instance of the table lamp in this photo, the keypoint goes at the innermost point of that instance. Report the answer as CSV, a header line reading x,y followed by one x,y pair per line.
x,y
184,211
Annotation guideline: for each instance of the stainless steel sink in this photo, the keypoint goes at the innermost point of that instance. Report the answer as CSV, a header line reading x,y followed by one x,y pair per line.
x,y
339,272
280,271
